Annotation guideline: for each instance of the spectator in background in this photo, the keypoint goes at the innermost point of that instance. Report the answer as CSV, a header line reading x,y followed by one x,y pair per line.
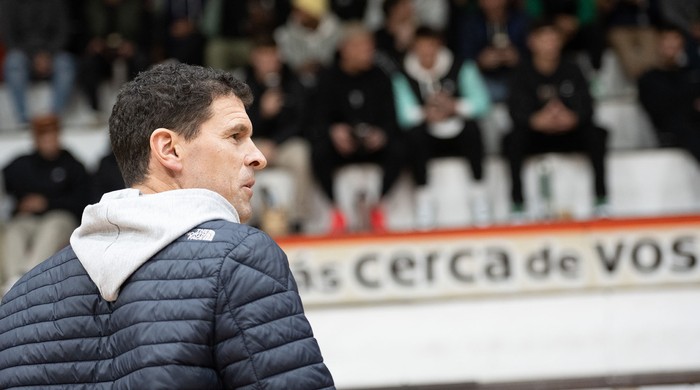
x,y
439,103
230,25
276,114
49,188
117,33
179,31
685,14
356,122
552,111
631,33
394,37
309,38
494,37
670,94
579,23
36,33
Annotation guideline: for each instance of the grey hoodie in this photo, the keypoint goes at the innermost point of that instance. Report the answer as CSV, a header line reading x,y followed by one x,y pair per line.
x,y
126,228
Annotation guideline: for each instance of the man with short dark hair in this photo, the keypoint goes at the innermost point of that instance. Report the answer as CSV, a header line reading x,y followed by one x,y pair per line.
x,y
162,287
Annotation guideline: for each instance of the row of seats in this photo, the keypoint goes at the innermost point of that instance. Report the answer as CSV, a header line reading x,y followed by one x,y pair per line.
x,y
642,182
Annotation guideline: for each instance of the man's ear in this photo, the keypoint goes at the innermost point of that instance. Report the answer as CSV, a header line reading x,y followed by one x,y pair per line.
x,y
164,145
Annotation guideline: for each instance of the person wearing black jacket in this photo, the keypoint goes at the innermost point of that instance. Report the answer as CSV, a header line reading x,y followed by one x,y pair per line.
x,y
356,121
49,187
552,111
670,94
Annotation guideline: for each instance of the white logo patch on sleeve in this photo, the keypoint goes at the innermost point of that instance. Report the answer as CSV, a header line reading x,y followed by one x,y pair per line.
x,y
201,235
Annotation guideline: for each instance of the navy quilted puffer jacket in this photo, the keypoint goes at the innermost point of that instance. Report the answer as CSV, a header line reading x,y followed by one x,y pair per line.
x,y
217,308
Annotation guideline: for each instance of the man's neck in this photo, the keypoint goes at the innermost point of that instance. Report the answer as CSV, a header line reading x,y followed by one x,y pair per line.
x,y
669,64
496,16
50,156
153,185
348,68
546,65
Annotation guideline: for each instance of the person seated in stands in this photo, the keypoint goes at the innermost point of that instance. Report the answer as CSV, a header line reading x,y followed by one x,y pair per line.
x,y
670,94
355,121
36,33
117,33
579,22
276,114
49,188
685,15
308,39
552,111
438,103
494,36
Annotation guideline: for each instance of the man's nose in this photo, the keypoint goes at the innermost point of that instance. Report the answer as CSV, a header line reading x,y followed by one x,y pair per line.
x,y
256,159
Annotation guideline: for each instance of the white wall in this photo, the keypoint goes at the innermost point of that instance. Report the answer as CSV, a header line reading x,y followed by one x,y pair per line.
x,y
519,338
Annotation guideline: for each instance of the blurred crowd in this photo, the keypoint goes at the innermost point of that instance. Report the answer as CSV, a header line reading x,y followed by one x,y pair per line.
x,y
391,82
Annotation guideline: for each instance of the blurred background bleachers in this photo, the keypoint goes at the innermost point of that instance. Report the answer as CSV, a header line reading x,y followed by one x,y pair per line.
x,y
645,179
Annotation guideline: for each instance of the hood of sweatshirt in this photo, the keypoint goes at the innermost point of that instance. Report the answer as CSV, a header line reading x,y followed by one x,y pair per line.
x,y
428,78
126,228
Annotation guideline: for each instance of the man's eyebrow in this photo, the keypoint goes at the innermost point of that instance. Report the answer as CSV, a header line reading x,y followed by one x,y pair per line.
x,y
240,128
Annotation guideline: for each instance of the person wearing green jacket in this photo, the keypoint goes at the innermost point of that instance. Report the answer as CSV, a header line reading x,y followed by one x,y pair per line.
x,y
438,100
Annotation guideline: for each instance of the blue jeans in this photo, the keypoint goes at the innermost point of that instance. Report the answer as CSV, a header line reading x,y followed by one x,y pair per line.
x,y
18,70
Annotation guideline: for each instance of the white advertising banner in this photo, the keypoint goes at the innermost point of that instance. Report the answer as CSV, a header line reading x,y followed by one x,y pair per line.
x,y
501,260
